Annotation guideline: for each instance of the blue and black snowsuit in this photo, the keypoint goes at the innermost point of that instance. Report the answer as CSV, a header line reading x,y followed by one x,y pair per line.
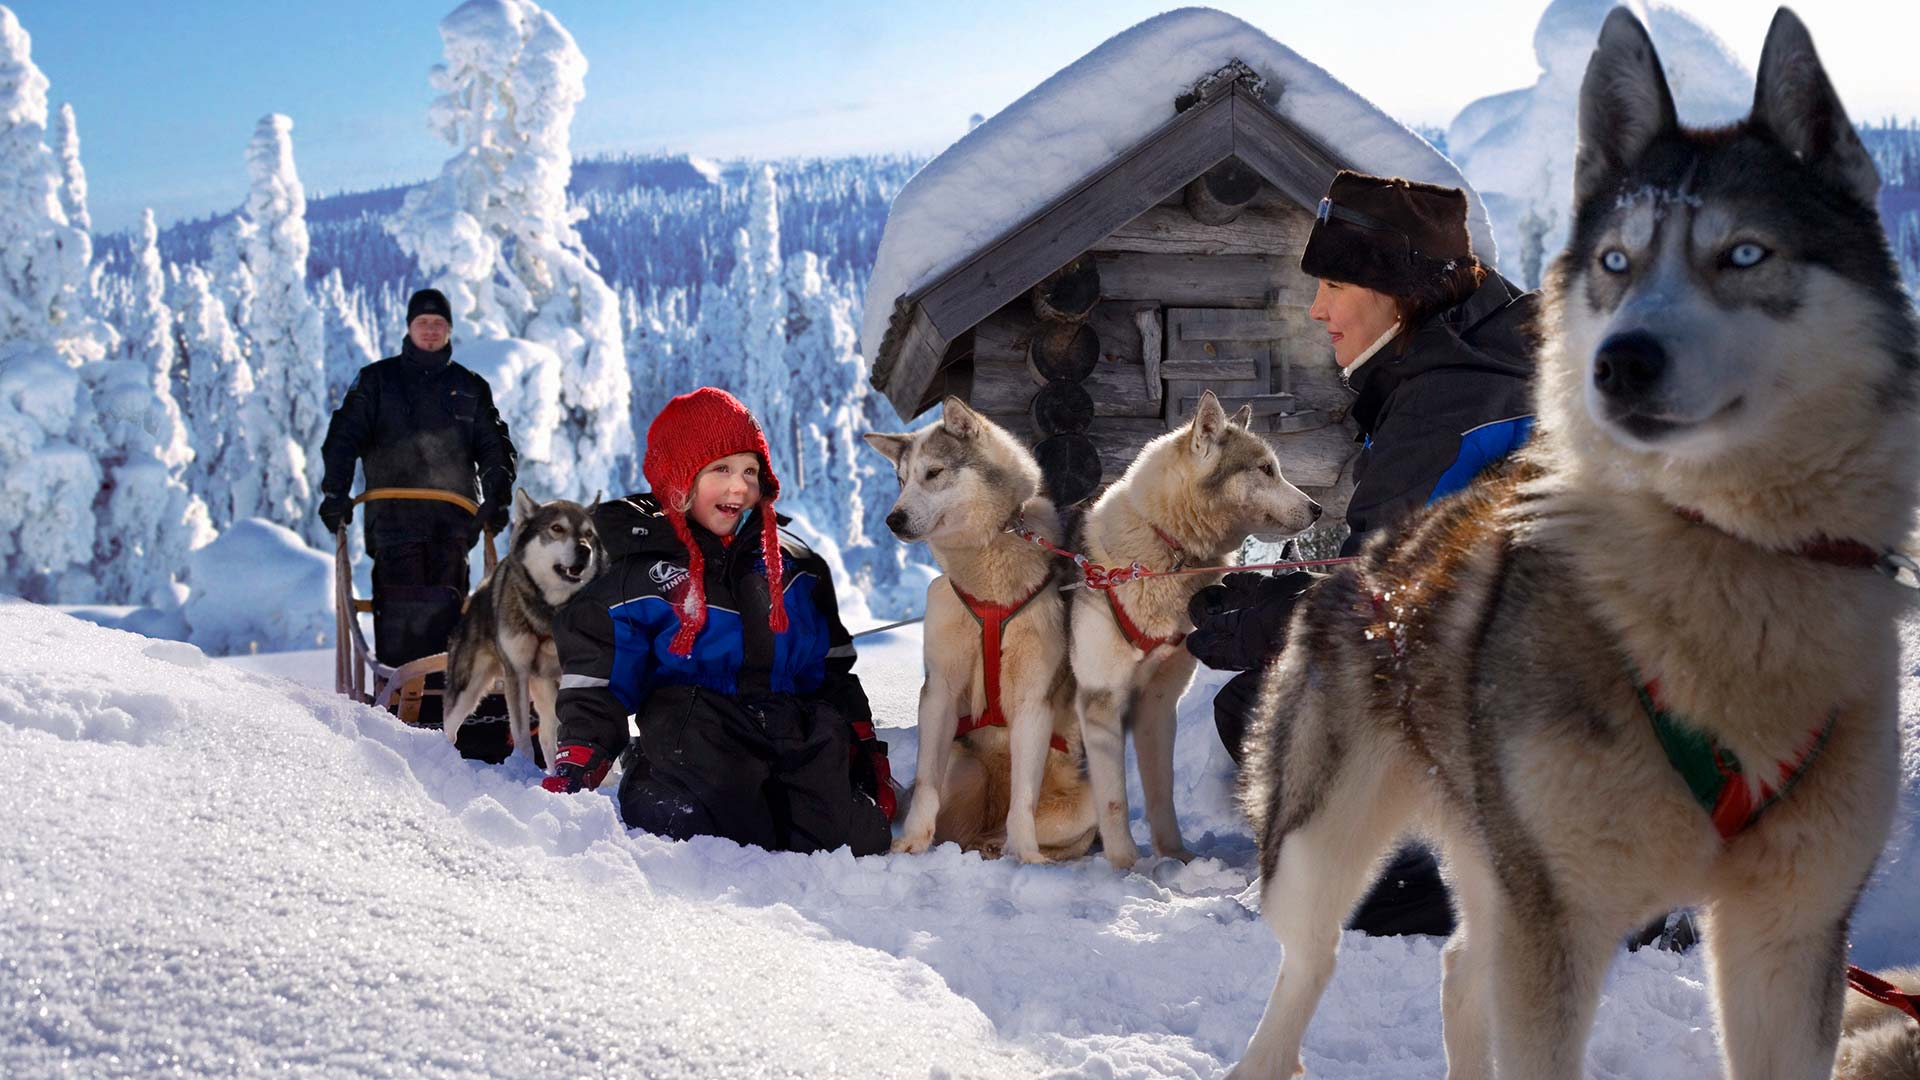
x,y
762,738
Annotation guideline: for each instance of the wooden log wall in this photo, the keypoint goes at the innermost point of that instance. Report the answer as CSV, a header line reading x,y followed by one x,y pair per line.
x,y
1064,366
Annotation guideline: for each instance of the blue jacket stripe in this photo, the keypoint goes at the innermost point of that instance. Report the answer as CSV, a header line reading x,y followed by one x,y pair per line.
x,y
1480,448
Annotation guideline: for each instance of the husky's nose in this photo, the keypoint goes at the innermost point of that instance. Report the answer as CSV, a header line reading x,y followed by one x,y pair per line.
x,y
1629,365
897,521
1314,510
582,554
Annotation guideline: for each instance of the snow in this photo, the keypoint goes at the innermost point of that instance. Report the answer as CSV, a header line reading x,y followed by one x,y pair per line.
x,y
260,588
1043,145
227,871
1517,149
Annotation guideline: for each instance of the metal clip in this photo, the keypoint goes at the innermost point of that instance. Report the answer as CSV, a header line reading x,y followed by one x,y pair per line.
x,y
1901,568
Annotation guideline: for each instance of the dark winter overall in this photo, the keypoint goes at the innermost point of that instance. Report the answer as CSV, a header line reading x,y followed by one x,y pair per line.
x,y
419,420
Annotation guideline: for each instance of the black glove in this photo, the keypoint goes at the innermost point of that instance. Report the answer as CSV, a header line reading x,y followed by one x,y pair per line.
x,y
336,512
1244,625
492,515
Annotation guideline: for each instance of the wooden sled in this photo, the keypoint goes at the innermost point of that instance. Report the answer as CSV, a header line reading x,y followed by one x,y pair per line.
x,y
357,672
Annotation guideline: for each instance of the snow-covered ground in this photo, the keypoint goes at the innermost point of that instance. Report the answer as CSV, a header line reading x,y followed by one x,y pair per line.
x,y
221,868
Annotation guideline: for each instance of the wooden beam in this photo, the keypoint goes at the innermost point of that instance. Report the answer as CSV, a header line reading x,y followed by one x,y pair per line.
x,y
1195,281
1290,159
920,352
1162,163
1172,231
1002,383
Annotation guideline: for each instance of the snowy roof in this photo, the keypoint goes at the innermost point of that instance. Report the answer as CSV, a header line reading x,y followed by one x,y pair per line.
x,y
1051,143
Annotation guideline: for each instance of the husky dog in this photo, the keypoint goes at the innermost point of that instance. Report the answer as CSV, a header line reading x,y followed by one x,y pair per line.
x,y
1015,782
1879,1042
1678,573
1191,497
506,632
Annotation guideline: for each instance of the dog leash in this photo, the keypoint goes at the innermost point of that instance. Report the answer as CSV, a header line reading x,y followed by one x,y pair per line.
x,y
1096,576
1883,991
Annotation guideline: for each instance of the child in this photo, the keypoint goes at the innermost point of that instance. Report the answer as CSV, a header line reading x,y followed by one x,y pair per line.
x,y
752,724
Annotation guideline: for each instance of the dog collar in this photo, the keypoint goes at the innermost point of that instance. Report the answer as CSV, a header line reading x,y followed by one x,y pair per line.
x,y
1850,554
1179,553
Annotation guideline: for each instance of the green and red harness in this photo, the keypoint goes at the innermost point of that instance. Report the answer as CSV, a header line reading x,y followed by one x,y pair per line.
x,y
1715,776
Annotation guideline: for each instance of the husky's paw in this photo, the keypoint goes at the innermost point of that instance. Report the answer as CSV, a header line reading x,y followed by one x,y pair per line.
x,y
1254,1068
913,843
1123,856
1180,853
1027,855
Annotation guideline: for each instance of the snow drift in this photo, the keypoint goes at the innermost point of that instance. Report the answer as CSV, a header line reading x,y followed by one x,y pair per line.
x,y
217,870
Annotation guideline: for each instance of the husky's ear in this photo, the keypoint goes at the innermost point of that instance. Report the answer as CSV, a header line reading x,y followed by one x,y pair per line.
x,y
894,447
1624,104
1244,418
1209,421
1795,102
523,505
960,421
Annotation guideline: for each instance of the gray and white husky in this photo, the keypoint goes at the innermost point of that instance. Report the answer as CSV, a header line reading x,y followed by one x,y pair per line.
x,y
1680,569
506,632
1191,497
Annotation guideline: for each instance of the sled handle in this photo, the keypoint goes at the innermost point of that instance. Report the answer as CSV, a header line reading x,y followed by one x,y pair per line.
x,y
432,495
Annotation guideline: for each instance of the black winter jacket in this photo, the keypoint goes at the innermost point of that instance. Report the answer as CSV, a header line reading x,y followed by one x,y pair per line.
x,y
419,420
1458,399
613,635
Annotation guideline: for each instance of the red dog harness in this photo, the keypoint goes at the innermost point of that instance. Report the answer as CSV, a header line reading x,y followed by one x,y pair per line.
x,y
993,618
1134,635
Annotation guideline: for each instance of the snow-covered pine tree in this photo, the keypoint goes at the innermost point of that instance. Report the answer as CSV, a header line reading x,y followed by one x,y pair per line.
x,y
46,515
44,257
495,232
73,175
289,354
349,346
148,519
225,420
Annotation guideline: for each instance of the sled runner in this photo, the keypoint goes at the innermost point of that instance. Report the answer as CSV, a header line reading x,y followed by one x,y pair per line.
x,y
357,672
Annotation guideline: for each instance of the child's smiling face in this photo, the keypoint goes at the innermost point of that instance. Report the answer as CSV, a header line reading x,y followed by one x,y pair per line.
x,y
724,492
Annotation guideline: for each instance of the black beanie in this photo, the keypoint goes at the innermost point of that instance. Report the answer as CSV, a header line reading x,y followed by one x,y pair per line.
x,y
428,302
1390,235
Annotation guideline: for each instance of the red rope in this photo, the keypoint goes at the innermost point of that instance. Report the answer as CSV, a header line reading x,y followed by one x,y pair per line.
x,y
1106,577
1883,991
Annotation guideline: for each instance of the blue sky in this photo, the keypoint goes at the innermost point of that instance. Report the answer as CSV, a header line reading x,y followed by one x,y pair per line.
x,y
167,94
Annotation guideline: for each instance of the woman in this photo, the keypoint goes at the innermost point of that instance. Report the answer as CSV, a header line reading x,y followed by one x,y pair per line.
x,y
1436,348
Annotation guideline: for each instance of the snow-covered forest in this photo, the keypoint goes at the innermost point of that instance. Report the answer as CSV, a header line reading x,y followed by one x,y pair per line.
x,y
161,386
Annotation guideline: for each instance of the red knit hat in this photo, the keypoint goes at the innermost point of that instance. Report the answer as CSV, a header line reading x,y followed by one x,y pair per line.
x,y
694,431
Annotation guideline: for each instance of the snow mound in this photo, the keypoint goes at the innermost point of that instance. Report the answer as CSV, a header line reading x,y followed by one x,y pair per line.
x,y
238,874
1517,147
259,588
1068,127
